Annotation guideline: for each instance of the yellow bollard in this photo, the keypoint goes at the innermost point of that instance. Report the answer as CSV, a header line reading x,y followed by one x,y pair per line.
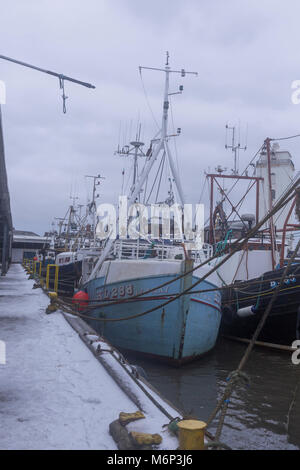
x,y
52,307
191,434
52,296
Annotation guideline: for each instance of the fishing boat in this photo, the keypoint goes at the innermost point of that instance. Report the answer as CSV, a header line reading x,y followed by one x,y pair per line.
x,y
250,276
179,331
136,287
245,303
74,240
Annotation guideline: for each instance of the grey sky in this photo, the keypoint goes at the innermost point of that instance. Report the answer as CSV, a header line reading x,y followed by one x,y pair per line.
x,y
246,53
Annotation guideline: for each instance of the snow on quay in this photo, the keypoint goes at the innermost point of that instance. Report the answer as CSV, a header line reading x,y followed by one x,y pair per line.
x,y
54,393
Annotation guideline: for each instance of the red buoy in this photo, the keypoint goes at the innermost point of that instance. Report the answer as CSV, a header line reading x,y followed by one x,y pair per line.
x,y
81,299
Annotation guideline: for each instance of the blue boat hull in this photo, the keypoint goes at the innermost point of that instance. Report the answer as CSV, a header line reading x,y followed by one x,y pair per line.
x,y
181,331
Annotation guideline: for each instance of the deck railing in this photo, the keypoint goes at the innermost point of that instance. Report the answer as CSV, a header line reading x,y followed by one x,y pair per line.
x,y
125,249
142,250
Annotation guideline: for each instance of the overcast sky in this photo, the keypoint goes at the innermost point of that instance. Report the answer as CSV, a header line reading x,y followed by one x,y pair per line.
x,y
247,54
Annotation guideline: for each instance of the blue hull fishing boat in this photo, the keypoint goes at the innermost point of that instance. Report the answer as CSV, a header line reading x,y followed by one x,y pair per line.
x,y
155,304
180,331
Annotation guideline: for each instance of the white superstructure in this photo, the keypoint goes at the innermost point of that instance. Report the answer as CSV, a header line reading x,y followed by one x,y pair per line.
x,y
282,173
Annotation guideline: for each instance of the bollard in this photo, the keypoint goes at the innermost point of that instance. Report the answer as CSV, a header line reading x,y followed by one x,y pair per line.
x,y
52,307
191,434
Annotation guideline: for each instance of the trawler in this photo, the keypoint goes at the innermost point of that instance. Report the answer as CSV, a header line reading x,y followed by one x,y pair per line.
x,y
251,275
74,239
141,294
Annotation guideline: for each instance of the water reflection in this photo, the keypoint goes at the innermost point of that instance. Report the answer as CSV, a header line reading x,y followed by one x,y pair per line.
x,y
265,415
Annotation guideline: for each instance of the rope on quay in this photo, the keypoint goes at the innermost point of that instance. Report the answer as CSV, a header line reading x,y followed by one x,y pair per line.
x,y
238,375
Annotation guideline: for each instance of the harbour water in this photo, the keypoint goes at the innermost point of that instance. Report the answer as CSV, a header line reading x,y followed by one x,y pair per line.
x,y
265,415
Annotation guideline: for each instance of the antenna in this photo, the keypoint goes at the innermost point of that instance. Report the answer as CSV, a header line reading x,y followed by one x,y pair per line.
x,y
219,169
62,78
167,56
235,147
74,199
96,182
136,151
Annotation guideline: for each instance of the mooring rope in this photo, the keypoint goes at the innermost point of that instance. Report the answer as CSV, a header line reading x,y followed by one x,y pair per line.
x,y
236,376
238,245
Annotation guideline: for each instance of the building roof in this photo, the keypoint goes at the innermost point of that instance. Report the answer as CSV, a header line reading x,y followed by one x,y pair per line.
x,y
23,236
25,233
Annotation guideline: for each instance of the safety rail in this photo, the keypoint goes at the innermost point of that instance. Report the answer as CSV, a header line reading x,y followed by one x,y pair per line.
x,y
137,249
200,255
55,287
40,268
28,264
43,277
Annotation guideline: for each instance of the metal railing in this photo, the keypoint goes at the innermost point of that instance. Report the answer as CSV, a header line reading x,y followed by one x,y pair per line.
x,y
55,287
40,268
44,278
137,249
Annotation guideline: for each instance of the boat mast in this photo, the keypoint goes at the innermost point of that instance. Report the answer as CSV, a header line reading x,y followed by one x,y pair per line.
x,y
68,234
161,142
235,147
160,145
135,151
92,205
271,221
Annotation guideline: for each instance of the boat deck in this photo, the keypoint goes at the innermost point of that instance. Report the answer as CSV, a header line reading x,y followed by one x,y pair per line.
x,y
54,393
